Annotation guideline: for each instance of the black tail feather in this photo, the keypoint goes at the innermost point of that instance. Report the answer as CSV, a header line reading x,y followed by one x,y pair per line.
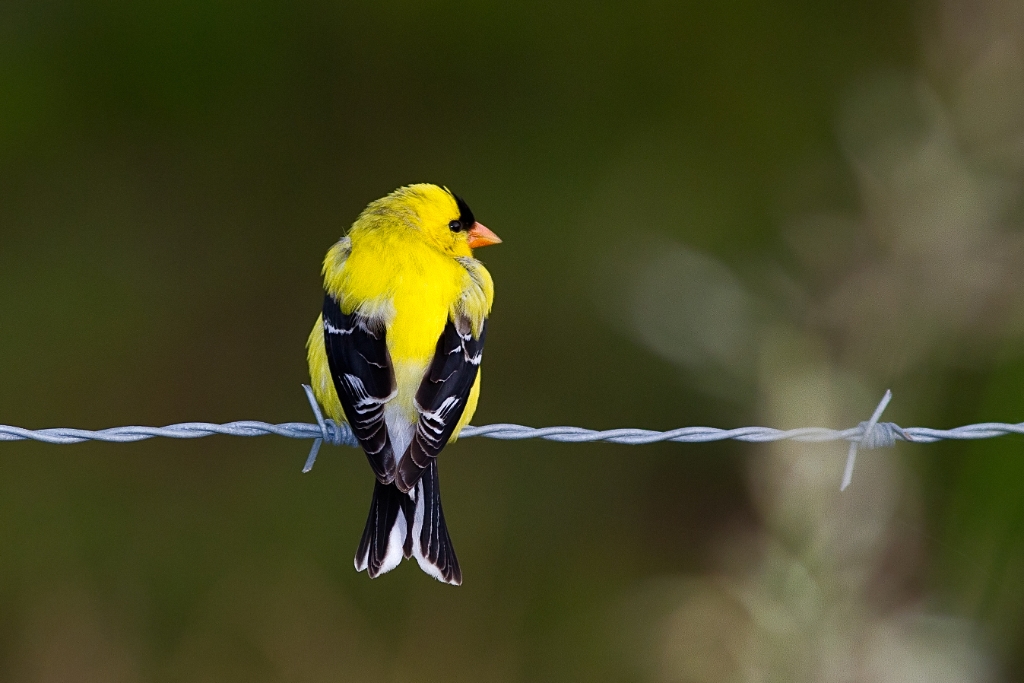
x,y
386,533
408,525
432,546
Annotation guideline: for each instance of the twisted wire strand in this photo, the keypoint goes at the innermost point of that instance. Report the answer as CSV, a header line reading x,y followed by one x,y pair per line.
x,y
883,433
868,434
514,432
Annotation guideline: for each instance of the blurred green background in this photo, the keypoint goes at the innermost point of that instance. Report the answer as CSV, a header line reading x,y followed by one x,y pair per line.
x,y
716,214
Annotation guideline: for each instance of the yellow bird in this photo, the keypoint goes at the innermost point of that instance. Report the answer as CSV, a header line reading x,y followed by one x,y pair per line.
x,y
396,354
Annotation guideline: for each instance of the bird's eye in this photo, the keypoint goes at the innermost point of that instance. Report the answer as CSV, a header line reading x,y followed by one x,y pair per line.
x,y
455,226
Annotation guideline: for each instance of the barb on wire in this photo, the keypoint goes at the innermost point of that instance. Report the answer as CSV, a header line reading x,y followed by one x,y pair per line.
x,y
869,434
872,438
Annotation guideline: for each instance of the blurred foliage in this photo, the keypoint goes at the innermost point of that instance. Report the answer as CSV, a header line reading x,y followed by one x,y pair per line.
x,y
171,174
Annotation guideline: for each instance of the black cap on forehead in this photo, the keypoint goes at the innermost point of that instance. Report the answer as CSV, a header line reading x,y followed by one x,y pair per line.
x,y
465,213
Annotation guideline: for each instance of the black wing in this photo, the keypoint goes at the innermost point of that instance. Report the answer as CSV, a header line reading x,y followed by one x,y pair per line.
x,y
441,397
360,365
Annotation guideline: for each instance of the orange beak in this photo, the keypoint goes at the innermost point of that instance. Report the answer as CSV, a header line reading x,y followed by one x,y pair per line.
x,y
480,236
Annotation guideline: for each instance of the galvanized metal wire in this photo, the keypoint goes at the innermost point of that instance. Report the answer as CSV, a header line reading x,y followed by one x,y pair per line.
x,y
869,434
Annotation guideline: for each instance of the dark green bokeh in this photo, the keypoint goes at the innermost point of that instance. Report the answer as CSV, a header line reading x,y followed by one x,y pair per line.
x,y
171,174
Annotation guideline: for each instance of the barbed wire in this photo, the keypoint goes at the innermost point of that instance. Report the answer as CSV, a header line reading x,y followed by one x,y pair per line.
x,y
869,434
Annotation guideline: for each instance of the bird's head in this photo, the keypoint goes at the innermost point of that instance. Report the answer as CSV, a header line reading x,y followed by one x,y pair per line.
x,y
434,214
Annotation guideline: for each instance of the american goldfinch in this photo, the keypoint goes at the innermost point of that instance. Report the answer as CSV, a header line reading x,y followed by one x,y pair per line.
x,y
396,353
